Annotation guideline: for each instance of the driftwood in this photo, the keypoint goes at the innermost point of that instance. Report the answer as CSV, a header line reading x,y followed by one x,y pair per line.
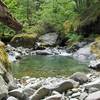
x,y
8,19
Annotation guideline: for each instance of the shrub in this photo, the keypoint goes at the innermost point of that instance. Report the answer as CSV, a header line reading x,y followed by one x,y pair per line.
x,y
73,38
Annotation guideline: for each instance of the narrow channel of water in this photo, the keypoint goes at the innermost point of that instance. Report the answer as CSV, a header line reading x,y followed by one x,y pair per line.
x,y
44,66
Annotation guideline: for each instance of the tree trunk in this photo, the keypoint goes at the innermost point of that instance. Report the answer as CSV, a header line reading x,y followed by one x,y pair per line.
x,y
8,19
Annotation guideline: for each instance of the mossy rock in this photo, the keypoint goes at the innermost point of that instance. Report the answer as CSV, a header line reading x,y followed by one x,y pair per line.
x,y
95,47
24,40
3,56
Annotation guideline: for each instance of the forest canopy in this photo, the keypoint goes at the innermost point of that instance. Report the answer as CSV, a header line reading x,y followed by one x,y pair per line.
x,y
62,16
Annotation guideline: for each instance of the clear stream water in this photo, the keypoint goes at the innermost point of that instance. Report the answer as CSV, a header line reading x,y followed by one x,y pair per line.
x,y
44,66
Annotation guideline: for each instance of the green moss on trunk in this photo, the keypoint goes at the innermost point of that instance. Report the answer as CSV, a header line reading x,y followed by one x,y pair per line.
x,y
4,57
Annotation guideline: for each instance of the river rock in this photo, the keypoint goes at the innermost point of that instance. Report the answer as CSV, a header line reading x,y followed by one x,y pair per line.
x,y
95,84
44,52
95,64
79,77
3,88
48,39
83,96
17,93
76,95
54,97
12,86
92,89
94,96
82,44
73,99
12,98
55,93
66,85
35,86
10,80
28,91
74,90
40,93
83,54
69,92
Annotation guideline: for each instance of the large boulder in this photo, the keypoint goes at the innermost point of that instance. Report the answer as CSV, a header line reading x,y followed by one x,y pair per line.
x,y
28,91
84,54
79,77
17,93
49,39
94,85
66,85
3,88
24,40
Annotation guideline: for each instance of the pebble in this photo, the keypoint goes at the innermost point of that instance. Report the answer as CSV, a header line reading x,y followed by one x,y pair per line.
x,y
76,94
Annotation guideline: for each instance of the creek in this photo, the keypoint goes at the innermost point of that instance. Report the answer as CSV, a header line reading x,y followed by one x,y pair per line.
x,y
47,66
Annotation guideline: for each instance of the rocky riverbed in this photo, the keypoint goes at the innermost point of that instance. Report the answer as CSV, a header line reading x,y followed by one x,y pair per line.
x,y
19,52
83,54
79,86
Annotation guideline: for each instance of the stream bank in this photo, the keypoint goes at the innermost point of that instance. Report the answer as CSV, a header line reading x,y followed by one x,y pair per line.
x,y
79,86
50,61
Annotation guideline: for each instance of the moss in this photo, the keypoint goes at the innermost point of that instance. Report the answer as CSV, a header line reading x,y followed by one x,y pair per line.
x,y
4,57
24,40
25,36
95,47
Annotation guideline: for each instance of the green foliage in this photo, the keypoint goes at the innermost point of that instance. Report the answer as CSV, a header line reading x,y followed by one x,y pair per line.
x,y
57,12
5,31
40,28
36,13
87,8
42,16
73,37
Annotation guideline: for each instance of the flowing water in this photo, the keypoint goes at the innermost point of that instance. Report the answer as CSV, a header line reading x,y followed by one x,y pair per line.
x,y
44,66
